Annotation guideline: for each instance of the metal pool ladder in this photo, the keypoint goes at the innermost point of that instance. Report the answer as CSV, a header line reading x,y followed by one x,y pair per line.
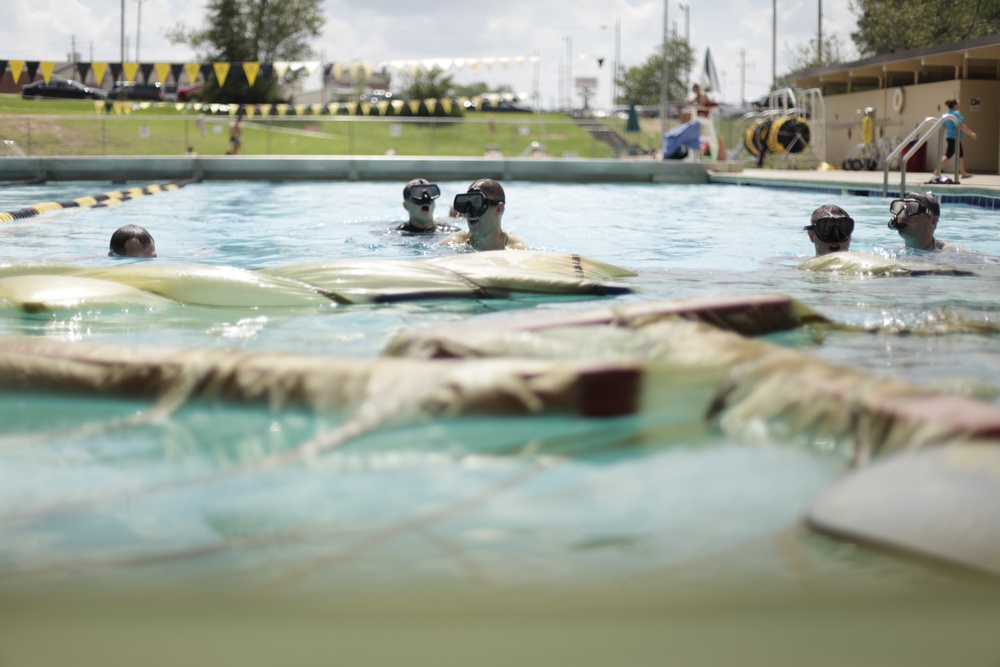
x,y
910,144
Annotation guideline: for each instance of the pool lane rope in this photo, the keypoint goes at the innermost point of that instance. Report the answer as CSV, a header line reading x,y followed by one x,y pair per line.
x,y
106,199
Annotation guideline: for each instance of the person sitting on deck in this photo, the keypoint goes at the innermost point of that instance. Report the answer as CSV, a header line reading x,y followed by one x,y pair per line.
x,y
418,200
483,206
830,229
132,241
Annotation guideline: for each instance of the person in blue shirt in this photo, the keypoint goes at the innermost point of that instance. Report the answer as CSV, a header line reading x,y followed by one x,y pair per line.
x,y
951,130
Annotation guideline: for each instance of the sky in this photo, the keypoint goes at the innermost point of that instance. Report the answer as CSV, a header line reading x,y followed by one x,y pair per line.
x,y
450,30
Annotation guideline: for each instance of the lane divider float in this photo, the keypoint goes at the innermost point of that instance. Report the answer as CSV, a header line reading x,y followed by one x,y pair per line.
x,y
106,199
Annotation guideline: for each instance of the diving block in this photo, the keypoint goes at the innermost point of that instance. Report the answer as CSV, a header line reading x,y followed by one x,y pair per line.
x,y
940,503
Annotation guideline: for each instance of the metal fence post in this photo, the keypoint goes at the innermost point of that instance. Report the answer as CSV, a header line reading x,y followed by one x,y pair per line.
x,y
29,136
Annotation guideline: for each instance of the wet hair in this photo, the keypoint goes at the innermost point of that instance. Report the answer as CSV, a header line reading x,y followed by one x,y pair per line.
x,y
415,181
124,234
828,211
928,200
951,104
489,187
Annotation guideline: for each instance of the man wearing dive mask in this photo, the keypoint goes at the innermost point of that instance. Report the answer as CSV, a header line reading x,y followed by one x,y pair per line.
x,y
915,218
483,206
418,200
830,229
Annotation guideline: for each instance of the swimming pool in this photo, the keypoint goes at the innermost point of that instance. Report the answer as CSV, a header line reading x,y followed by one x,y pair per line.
x,y
98,499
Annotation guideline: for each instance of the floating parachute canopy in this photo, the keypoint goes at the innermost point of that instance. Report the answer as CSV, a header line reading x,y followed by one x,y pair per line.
x,y
789,134
755,136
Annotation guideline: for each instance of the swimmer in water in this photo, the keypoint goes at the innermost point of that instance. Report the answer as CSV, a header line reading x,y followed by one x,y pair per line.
x,y
132,241
483,206
915,218
418,200
830,229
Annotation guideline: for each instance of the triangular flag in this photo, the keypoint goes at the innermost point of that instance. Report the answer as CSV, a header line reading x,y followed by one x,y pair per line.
x,y
352,108
414,106
311,67
232,109
221,72
176,69
383,106
265,109
282,109
279,69
180,106
98,106
250,110
162,72
15,69
446,106
504,62
147,71
397,106
32,67
99,70
368,68
332,108
353,68
519,60
47,67
251,70
443,64
300,109
489,62
82,70
130,70
474,65
316,109
192,71
338,70
459,63
431,104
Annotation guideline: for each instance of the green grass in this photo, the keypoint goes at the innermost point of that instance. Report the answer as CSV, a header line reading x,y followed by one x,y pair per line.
x,y
81,127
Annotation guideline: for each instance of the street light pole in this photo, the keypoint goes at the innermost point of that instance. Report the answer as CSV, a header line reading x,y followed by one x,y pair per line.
x,y
686,8
618,59
774,43
138,29
569,72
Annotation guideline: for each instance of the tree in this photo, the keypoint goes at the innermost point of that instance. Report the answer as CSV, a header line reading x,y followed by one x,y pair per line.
x,y
252,31
805,56
885,26
428,84
641,84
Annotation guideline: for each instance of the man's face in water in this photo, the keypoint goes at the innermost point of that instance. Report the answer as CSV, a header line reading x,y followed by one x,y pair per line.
x,y
421,213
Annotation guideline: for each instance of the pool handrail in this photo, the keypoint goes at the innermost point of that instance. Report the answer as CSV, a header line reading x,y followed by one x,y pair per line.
x,y
907,147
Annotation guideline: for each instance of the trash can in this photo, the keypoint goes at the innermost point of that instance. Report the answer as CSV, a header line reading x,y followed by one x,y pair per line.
x,y
917,161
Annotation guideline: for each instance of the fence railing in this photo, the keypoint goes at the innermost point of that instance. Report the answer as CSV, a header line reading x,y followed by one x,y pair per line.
x,y
141,134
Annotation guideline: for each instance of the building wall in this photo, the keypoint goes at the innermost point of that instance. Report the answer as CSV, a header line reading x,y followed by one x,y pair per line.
x,y
843,120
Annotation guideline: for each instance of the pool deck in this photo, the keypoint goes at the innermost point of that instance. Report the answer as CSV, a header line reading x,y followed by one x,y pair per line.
x,y
864,183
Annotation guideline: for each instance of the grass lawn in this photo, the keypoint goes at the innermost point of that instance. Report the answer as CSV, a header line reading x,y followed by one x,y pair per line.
x,y
81,127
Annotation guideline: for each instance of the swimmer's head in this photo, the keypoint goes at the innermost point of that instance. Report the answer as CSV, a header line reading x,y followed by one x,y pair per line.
x,y
132,241
830,229
418,200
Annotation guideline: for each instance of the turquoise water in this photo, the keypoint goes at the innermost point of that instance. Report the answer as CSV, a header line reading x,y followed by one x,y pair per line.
x,y
94,496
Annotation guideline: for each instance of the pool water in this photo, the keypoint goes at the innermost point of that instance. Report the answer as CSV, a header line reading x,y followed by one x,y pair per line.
x,y
96,495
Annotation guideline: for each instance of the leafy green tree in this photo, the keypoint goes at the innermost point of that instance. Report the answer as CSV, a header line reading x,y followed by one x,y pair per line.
x,y
641,84
428,84
885,26
252,30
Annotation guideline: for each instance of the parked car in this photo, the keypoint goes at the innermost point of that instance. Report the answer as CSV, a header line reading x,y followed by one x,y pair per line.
x,y
65,88
189,92
126,90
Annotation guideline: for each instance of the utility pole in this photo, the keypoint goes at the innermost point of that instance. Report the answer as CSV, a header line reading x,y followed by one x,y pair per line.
x,y
819,35
774,43
665,74
123,32
138,27
618,60
686,8
569,72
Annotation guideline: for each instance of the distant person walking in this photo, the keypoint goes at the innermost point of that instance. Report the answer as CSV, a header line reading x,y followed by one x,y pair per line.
x,y
235,136
951,130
